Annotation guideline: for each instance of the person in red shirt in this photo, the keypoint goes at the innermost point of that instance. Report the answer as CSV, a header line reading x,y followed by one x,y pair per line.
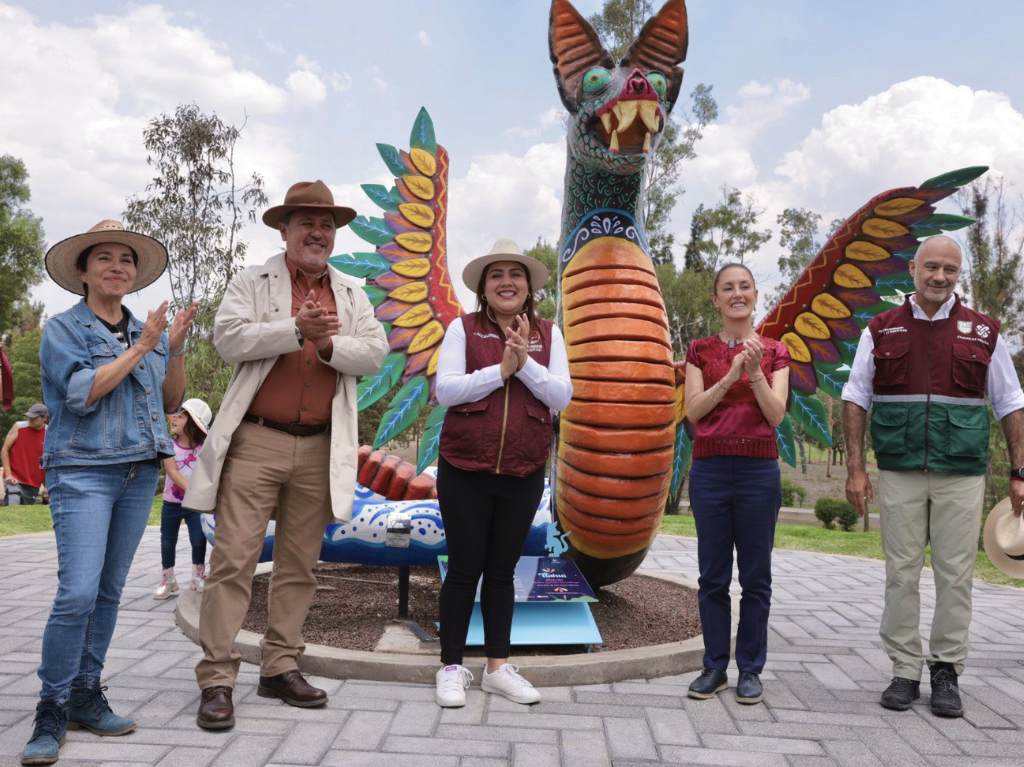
x,y
737,384
23,447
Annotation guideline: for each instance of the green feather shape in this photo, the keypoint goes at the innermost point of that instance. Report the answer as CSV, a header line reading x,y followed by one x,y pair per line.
x,y
375,294
940,222
431,439
392,159
374,230
365,265
403,409
372,388
809,411
422,136
680,463
786,440
955,178
380,195
831,379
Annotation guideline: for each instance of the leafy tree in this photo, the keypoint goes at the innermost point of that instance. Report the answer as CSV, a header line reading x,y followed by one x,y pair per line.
x,y
798,231
727,232
23,353
546,297
687,296
618,24
21,240
195,204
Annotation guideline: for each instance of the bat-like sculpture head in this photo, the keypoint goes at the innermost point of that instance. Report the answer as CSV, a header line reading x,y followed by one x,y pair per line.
x,y
618,108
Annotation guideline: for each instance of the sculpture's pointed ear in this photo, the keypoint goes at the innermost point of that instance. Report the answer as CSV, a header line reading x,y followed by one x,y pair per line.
x,y
575,48
661,45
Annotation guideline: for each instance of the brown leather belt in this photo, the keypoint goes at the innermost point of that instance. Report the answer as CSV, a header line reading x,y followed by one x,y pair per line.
x,y
295,429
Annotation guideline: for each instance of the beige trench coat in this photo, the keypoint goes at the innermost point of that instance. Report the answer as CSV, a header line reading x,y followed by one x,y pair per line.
x,y
252,328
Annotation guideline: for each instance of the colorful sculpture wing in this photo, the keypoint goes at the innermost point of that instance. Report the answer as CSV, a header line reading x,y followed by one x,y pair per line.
x,y
408,283
856,275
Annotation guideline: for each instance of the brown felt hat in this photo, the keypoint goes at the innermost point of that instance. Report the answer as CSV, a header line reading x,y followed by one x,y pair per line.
x,y
308,194
62,258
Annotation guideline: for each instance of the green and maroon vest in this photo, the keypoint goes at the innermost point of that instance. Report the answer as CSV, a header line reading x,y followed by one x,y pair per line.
x,y
928,410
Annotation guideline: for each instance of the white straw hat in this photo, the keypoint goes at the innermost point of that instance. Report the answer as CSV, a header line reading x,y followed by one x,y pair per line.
x,y
504,250
62,258
1004,539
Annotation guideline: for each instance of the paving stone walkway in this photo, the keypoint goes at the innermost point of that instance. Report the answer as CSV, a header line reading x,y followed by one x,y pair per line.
x,y
824,674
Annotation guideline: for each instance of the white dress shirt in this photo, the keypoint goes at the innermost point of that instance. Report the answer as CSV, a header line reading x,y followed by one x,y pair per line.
x,y
1002,386
551,384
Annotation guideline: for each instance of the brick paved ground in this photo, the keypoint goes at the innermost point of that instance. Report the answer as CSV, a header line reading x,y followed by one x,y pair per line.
x,y
824,674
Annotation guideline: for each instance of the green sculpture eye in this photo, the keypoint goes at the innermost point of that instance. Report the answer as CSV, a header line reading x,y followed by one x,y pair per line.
x,y
596,79
658,82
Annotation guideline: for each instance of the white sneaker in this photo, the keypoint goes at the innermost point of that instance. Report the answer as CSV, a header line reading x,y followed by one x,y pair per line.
x,y
452,682
507,682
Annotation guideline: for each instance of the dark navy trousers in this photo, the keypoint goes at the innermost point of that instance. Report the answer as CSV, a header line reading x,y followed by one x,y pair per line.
x,y
735,502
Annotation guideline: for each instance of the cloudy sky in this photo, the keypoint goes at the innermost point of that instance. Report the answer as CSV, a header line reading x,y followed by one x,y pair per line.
x,y
823,104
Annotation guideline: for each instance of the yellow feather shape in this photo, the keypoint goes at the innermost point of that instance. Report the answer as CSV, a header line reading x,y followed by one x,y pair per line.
x,y
829,307
421,186
418,214
811,325
417,242
898,206
849,276
427,336
416,316
798,350
423,160
861,250
879,227
432,365
411,293
412,267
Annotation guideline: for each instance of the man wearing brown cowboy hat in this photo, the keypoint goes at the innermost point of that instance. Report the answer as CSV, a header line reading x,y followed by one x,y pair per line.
x,y
284,443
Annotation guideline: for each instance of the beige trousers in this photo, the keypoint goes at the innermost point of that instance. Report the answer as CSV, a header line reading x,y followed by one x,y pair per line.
x,y
265,470
944,510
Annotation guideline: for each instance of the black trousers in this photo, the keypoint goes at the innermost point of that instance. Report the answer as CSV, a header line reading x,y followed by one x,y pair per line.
x,y
487,518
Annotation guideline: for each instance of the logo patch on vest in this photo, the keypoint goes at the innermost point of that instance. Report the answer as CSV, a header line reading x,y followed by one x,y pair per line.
x,y
495,336
900,329
963,326
982,330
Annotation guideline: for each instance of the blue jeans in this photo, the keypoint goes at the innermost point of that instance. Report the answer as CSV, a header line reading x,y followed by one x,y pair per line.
x,y
99,515
171,515
735,502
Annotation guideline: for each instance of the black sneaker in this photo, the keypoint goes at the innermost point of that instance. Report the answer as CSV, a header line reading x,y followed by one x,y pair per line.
x,y
945,691
901,693
710,682
748,688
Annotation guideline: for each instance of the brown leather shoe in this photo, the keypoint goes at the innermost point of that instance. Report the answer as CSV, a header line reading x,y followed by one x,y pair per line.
x,y
292,689
216,711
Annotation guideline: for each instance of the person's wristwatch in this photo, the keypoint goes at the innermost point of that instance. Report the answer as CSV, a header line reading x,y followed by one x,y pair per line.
x,y
299,337
1017,473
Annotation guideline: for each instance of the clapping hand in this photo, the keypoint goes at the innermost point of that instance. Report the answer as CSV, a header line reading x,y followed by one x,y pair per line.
x,y
316,323
516,336
153,328
180,326
753,352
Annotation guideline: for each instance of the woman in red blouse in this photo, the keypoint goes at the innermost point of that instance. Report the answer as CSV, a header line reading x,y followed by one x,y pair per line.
x,y
737,384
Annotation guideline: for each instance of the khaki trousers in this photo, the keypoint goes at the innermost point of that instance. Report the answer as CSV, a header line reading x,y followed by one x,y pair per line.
x,y
265,470
944,510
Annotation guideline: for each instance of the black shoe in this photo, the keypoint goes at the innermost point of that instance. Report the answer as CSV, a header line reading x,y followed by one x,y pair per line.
x,y
945,691
748,689
900,693
710,681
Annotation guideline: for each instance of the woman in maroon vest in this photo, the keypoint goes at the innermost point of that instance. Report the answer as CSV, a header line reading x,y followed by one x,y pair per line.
x,y
737,384
501,372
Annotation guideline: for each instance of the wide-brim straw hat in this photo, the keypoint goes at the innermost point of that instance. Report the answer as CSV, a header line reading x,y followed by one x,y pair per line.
x,y
1004,539
62,258
505,250
308,194
200,413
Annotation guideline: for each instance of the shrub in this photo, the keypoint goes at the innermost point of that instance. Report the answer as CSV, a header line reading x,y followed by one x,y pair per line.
x,y
830,510
792,493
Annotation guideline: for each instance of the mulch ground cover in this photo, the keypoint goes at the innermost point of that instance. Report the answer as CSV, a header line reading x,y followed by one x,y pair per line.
x,y
354,603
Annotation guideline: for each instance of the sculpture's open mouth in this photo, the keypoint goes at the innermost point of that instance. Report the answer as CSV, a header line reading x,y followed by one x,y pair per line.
x,y
627,126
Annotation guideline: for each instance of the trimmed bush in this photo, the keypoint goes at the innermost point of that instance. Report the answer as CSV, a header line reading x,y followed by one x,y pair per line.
x,y
829,510
793,494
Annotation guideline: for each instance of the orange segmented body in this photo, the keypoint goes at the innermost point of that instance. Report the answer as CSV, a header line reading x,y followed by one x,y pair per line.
x,y
615,444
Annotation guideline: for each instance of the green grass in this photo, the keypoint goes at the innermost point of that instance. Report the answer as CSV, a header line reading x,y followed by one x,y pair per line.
x,y
854,543
16,520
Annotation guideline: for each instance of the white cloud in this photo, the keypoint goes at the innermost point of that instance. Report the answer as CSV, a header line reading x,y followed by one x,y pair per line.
x,y
424,38
340,81
307,87
553,118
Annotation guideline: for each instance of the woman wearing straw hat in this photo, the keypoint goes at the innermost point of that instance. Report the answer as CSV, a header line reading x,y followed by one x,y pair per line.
x,y
108,380
501,371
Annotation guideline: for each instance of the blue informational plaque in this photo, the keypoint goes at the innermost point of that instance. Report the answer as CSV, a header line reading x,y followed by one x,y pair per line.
x,y
552,604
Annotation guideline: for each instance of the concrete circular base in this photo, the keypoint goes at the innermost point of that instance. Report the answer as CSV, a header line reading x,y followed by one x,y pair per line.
x,y
541,670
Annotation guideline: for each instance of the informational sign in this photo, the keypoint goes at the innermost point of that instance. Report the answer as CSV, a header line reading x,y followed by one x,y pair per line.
x,y
543,579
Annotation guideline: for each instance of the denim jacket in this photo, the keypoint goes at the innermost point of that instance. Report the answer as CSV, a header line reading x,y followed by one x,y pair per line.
x,y
127,424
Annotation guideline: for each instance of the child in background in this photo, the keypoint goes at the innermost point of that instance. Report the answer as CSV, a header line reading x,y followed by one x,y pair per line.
x,y
188,428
